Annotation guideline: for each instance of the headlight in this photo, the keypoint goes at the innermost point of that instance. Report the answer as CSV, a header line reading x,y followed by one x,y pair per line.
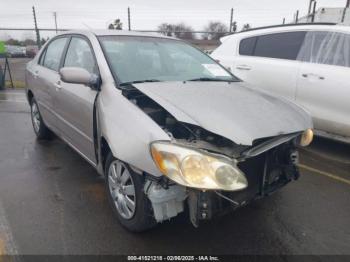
x,y
307,137
191,168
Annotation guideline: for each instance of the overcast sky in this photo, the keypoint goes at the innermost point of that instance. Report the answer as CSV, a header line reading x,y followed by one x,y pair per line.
x,y
147,14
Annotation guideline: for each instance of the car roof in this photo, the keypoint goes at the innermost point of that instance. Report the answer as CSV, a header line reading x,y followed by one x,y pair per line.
x,y
289,27
109,32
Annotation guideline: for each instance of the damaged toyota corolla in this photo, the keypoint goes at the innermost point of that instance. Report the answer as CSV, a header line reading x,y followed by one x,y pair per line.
x,y
169,128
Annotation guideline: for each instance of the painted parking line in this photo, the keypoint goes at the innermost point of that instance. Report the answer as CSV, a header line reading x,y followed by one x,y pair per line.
x,y
2,247
338,178
13,94
7,244
13,101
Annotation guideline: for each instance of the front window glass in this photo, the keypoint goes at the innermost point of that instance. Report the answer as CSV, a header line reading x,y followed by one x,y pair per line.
x,y
54,52
79,54
149,58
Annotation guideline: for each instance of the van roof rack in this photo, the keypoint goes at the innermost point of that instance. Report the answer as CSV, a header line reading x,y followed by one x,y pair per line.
x,y
284,25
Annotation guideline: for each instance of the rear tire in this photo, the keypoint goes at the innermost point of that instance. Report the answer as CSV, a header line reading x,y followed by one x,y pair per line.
x,y
126,196
41,131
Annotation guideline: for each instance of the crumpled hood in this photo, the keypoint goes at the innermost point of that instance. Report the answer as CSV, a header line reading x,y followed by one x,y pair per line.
x,y
231,110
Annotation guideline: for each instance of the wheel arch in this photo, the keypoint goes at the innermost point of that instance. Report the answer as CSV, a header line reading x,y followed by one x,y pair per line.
x,y
105,149
30,95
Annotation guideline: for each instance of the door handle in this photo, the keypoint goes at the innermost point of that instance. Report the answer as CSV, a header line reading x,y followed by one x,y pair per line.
x,y
243,67
313,75
58,85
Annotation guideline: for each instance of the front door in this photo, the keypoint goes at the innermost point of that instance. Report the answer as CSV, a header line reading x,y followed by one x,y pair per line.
x,y
75,102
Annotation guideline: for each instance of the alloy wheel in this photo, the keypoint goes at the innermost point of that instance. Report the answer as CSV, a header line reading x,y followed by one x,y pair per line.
x,y
36,117
122,189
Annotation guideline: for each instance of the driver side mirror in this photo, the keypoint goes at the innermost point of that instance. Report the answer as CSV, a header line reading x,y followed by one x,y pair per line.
x,y
77,75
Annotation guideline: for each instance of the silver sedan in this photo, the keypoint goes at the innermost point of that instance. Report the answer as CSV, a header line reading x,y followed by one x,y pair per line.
x,y
165,124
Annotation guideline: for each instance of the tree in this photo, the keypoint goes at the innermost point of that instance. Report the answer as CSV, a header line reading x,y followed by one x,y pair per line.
x,y
12,41
215,30
246,27
29,41
116,25
234,27
43,41
166,29
179,30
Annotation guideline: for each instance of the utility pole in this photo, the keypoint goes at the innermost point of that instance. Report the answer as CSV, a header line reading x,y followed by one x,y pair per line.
x,y
297,16
36,29
129,24
55,16
231,20
313,12
310,6
344,11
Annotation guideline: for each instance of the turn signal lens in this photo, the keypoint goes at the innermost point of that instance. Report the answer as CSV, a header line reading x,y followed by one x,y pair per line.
x,y
306,137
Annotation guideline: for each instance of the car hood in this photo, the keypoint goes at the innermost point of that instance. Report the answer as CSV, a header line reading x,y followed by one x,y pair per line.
x,y
232,110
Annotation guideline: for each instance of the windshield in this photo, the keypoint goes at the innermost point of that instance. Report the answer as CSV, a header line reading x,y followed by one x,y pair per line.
x,y
141,59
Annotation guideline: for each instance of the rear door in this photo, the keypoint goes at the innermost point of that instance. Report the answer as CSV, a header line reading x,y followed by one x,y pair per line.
x,y
75,102
324,80
45,78
269,62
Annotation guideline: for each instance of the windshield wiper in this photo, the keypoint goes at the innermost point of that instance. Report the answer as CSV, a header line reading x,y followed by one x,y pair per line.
x,y
139,82
210,79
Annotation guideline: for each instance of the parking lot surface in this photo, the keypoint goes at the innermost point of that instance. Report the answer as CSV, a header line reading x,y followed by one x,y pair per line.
x,y
53,202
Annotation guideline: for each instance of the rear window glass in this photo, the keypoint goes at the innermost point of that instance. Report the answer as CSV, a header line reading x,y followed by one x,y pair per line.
x,y
247,46
280,45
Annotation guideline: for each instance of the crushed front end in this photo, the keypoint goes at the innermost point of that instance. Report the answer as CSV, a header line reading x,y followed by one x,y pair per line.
x,y
267,166
265,173
193,156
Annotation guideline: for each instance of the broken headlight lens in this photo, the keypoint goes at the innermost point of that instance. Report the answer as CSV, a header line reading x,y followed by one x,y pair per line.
x,y
306,137
192,168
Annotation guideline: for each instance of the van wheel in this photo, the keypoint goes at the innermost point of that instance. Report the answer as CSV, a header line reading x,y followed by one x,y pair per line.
x,y
40,129
126,196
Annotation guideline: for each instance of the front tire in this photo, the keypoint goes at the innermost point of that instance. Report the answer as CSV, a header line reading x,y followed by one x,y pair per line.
x,y
41,131
126,196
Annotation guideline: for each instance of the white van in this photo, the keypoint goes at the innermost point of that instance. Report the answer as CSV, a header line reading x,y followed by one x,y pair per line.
x,y
306,63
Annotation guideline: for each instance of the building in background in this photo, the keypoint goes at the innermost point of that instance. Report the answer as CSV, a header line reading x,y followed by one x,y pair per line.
x,y
328,15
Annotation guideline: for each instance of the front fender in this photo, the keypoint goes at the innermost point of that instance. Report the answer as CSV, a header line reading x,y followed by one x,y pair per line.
x,y
128,130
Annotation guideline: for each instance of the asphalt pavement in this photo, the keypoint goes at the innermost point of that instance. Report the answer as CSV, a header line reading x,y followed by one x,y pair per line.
x,y
53,202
